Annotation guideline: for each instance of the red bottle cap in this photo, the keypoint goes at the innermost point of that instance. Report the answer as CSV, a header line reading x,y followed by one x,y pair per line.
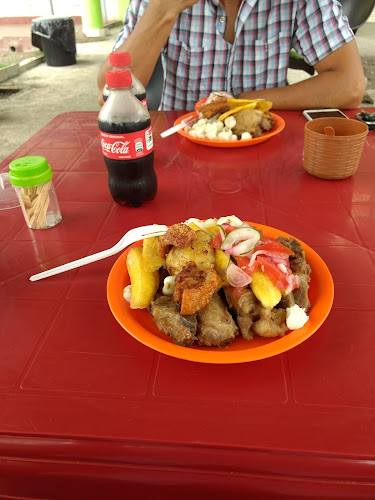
x,y
119,59
118,79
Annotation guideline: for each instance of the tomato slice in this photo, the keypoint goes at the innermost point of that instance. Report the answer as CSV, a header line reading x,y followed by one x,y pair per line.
x,y
228,228
276,247
244,264
217,241
274,273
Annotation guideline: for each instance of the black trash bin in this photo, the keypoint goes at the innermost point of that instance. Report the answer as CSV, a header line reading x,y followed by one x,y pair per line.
x,y
56,38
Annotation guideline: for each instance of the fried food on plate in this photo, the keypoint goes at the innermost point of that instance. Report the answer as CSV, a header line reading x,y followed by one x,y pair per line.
x,y
178,235
168,319
215,282
194,288
151,257
218,106
272,323
252,121
301,268
229,119
198,251
216,326
144,283
245,307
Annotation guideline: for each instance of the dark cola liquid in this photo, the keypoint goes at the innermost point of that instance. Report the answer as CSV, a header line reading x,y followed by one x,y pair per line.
x,y
140,97
130,181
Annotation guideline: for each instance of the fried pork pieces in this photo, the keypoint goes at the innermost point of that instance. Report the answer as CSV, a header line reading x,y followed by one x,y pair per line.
x,y
198,312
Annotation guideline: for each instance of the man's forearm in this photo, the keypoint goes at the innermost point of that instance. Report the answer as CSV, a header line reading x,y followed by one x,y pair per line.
x,y
149,36
144,43
340,83
320,91
147,40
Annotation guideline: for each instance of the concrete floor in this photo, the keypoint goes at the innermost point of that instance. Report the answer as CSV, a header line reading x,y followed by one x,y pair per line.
x,y
47,91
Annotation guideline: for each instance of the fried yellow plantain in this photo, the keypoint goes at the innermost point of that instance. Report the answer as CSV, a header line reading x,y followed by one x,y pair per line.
x,y
265,290
151,257
144,283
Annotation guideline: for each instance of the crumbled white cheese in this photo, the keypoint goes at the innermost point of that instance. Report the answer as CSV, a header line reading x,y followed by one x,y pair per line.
x,y
211,134
202,122
224,136
295,317
246,135
220,126
211,127
210,222
168,286
127,293
230,122
201,134
215,130
195,221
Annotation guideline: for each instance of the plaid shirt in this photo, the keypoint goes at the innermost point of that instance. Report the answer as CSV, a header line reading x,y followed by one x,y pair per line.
x,y
197,59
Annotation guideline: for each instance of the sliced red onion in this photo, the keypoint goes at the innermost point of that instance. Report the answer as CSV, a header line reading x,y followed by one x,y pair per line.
x,y
275,256
293,283
237,277
242,248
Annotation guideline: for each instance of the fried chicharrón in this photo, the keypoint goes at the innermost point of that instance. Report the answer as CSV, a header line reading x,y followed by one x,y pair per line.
x,y
178,235
194,288
218,106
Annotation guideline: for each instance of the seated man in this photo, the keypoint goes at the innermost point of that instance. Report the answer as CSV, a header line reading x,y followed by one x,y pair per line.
x,y
242,47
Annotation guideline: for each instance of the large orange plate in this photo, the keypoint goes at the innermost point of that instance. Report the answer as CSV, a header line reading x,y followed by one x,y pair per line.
x,y
278,127
139,323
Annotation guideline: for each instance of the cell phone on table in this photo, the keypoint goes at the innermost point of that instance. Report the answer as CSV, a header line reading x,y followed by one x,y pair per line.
x,y
311,114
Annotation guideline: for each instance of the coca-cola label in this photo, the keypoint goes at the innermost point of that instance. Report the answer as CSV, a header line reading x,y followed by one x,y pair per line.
x,y
127,146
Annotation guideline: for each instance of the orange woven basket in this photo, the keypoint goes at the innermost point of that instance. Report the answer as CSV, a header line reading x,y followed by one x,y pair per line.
x,y
333,156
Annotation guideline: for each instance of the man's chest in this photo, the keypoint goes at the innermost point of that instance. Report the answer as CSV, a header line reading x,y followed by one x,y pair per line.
x,y
219,24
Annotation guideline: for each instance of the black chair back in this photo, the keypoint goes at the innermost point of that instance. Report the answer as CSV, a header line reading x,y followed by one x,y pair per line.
x,y
155,86
357,11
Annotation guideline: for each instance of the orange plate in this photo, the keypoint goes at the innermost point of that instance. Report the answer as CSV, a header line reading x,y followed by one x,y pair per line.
x,y
278,127
139,322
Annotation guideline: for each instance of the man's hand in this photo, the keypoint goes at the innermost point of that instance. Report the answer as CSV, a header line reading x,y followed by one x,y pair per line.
x,y
148,38
172,7
340,83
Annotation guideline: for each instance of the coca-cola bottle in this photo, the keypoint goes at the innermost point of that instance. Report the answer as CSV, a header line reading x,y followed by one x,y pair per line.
x,y
121,60
127,142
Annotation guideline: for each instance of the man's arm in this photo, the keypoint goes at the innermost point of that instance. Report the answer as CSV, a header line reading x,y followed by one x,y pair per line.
x,y
340,83
147,39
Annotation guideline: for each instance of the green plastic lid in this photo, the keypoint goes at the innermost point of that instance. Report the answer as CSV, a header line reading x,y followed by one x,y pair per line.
x,y
29,171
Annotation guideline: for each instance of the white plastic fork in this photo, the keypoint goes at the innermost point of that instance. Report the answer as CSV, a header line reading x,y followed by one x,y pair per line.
x,y
136,234
176,128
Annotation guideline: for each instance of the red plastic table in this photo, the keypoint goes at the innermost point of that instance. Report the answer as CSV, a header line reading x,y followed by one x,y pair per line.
x,y
86,411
